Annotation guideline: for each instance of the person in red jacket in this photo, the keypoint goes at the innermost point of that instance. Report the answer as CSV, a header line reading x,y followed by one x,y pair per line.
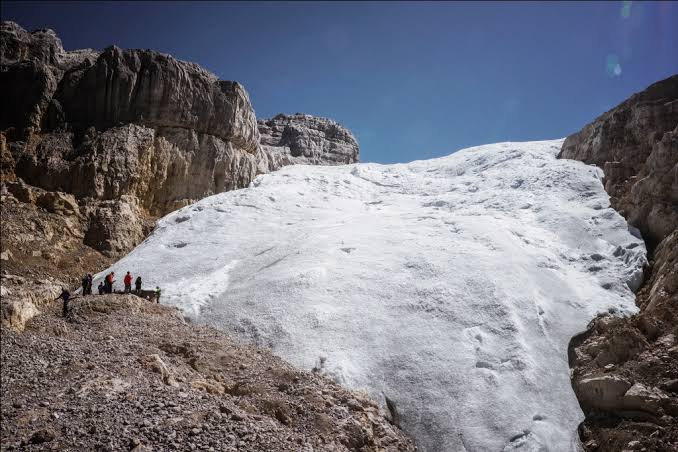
x,y
128,282
108,282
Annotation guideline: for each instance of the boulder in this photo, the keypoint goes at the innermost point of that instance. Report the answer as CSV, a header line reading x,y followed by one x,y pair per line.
x,y
605,392
642,398
22,298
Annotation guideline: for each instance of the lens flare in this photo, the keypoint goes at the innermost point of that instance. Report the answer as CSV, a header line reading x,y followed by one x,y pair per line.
x,y
626,9
612,66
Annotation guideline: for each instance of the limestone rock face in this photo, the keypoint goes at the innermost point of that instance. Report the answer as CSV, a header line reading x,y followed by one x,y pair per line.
x,y
32,65
114,227
101,126
305,139
121,123
154,89
636,144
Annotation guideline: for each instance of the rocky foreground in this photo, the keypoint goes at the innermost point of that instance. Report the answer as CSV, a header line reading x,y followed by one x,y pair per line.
x,y
126,374
625,370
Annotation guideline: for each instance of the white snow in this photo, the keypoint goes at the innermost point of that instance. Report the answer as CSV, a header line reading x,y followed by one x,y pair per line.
x,y
451,286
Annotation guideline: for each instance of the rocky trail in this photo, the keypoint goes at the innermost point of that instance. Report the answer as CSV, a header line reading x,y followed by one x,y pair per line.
x,y
126,374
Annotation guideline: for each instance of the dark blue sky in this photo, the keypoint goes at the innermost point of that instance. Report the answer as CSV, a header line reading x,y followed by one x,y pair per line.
x,y
411,80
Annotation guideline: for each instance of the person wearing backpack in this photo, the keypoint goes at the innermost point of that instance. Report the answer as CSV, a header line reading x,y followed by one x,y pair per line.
x,y
137,285
128,282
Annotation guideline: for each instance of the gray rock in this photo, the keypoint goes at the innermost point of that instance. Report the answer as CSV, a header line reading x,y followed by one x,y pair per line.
x,y
642,398
636,145
304,139
102,126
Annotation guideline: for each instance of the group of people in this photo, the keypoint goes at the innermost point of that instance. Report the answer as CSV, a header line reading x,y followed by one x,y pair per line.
x,y
106,286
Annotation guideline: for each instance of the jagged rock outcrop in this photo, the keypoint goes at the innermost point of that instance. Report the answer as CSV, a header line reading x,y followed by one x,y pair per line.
x,y
304,139
625,370
636,144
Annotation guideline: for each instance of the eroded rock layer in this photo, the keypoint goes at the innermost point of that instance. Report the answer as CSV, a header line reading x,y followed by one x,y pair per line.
x,y
625,370
305,139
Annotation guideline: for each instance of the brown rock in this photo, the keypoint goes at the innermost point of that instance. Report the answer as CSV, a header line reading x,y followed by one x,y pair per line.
x,y
636,144
605,392
641,398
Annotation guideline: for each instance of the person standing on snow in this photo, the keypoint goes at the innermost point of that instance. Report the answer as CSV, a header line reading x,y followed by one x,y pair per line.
x,y
128,282
101,288
137,285
157,294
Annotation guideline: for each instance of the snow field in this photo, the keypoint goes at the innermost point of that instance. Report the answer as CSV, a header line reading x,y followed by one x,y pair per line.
x,y
452,286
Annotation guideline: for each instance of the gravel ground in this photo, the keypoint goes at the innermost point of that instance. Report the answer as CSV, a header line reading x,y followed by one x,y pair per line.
x,y
126,374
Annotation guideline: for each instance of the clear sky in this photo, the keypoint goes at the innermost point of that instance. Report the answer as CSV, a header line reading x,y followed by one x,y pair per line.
x,y
412,80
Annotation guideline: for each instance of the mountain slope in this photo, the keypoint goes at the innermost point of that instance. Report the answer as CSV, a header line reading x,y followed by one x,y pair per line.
x,y
450,286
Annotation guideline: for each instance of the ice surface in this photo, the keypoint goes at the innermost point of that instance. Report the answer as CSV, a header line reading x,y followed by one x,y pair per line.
x,y
451,286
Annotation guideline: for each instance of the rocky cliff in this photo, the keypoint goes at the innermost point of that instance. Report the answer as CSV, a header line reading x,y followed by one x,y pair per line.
x,y
94,146
304,139
625,370
635,143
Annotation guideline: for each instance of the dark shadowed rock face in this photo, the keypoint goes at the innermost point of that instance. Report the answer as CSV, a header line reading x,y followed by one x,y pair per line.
x,y
625,370
636,144
305,139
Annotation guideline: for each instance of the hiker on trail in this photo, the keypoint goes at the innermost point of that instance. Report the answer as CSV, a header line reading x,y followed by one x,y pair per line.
x,y
109,282
101,287
137,285
65,295
157,294
87,284
128,282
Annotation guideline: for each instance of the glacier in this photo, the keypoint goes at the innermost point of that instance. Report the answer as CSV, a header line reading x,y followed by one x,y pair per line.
x,y
450,286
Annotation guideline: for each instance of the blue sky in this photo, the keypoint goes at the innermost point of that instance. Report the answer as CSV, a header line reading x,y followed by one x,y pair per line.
x,y
411,80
